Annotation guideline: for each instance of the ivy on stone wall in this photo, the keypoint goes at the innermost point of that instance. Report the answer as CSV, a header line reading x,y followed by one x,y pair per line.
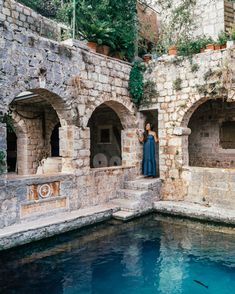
x,y
136,82
2,161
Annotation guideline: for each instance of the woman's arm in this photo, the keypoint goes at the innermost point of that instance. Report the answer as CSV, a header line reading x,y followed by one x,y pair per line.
x,y
155,137
140,137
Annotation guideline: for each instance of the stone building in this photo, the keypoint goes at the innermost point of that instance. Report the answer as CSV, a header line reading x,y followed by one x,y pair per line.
x,y
55,91
74,146
211,16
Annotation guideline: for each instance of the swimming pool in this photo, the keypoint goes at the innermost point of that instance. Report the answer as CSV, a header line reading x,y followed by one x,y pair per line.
x,y
153,254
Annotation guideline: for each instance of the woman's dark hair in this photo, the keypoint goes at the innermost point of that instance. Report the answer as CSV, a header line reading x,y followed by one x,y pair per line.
x,y
147,132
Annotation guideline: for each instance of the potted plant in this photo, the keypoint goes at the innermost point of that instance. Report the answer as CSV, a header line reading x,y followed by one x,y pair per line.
x,y
91,27
172,50
222,39
210,46
231,38
216,46
147,57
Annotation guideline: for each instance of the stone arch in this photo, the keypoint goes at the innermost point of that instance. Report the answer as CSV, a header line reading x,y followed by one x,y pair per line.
x,y
191,108
35,113
212,140
182,129
129,142
67,114
125,112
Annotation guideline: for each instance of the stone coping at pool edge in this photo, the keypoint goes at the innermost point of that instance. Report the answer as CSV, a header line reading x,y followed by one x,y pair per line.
x,y
28,232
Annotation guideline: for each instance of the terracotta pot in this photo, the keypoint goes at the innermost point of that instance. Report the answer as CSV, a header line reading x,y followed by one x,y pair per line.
x,y
117,55
223,46
172,50
217,47
106,50
210,47
92,46
147,57
99,49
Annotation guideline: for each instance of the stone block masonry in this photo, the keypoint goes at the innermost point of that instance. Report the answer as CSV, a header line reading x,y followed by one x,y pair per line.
x,y
65,83
22,17
181,90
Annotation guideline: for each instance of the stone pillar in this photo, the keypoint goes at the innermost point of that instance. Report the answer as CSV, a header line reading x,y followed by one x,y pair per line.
x,y
3,148
175,156
131,148
74,148
182,134
23,158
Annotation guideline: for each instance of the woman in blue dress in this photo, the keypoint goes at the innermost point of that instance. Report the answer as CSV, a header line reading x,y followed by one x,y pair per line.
x,y
148,138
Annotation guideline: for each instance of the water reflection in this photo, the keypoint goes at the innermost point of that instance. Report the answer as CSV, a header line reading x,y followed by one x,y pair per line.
x,y
149,255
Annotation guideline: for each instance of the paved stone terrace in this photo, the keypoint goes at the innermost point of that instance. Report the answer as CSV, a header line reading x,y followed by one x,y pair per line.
x,y
28,232
196,211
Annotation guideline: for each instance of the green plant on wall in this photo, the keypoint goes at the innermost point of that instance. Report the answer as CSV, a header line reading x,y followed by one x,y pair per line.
x,y
177,84
7,119
136,82
149,92
2,161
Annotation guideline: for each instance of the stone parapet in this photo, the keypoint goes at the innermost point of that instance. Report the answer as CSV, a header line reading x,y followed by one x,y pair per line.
x,y
21,17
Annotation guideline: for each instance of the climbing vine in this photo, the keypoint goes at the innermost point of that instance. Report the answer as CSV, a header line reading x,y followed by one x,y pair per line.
x,y
2,161
136,82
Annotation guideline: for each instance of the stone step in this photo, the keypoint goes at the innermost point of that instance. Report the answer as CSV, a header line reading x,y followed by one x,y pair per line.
x,y
134,194
127,204
124,215
143,184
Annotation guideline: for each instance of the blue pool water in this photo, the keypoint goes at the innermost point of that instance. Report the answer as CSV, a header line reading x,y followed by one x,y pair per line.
x,y
150,255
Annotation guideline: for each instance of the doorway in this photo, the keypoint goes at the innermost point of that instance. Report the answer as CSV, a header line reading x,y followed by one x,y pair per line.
x,y
151,116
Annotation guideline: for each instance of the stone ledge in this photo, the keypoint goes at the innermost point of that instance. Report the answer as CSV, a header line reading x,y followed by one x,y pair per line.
x,y
24,233
196,211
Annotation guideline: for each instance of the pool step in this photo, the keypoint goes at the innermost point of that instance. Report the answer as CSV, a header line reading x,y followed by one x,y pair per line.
x,y
133,194
143,184
127,204
137,197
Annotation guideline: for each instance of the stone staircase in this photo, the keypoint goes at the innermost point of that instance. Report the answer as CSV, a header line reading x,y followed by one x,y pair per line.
x,y
137,197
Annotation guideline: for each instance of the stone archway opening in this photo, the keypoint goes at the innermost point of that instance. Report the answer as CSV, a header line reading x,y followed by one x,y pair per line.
x,y
212,139
55,141
105,138
113,125
37,118
11,150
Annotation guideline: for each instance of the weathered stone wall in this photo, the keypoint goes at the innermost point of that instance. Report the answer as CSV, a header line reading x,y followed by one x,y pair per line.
x,y
182,86
73,81
210,16
211,186
21,17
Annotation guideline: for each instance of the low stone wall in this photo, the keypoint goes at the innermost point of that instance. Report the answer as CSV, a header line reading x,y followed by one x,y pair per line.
x,y
28,198
101,184
22,17
211,186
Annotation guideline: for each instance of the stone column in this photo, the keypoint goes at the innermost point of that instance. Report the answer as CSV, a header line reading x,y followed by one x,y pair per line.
x,y
131,148
74,148
24,161
3,147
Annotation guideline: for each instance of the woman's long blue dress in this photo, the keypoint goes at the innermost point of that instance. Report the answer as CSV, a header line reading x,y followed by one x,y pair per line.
x,y
149,167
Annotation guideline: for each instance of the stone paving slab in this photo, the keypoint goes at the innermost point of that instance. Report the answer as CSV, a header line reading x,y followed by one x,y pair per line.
x,y
36,230
196,211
